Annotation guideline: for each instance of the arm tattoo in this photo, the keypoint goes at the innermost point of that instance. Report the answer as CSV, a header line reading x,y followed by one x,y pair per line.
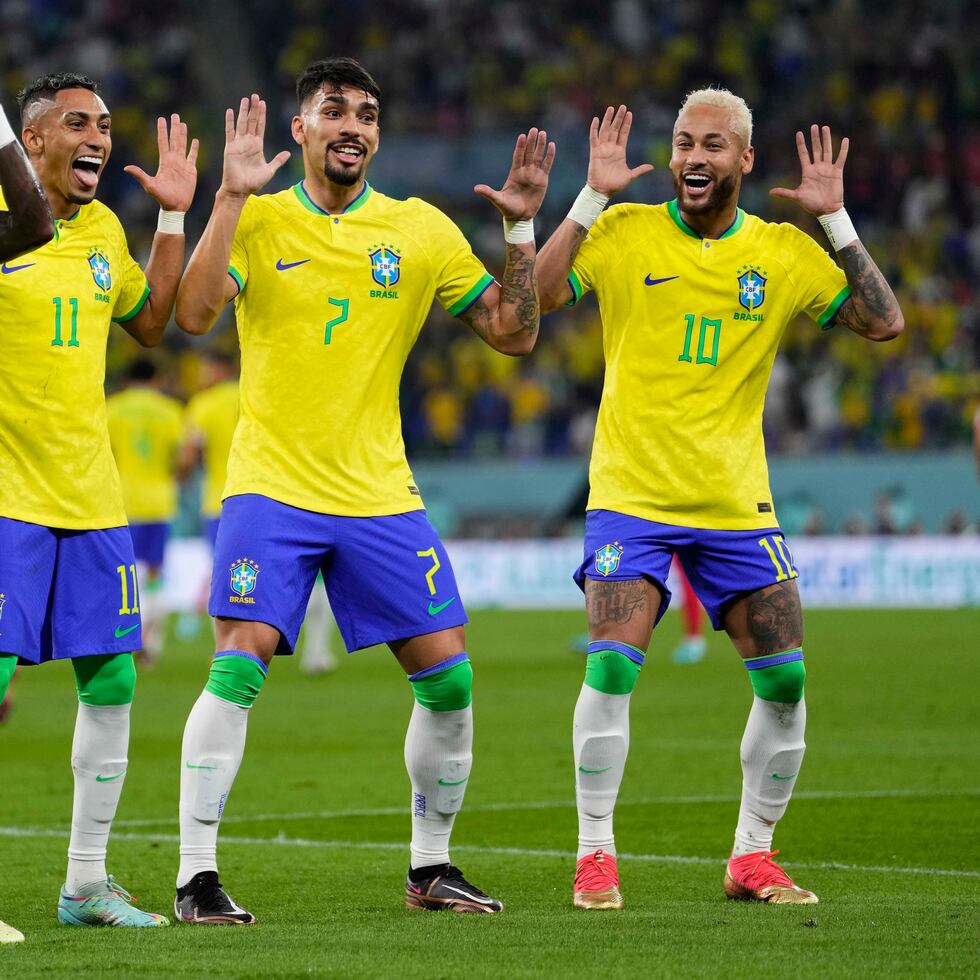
x,y
873,303
615,602
776,618
520,288
580,235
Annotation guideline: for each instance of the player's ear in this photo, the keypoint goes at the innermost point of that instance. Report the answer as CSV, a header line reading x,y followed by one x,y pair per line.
x,y
748,159
298,127
33,141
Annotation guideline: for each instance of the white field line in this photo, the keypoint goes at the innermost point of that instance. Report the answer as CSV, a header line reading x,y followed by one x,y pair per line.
x,y
282,841
391,811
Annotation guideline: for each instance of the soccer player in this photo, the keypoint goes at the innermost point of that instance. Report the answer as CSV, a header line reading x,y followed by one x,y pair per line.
x,y
25,224
332,281
145,428
67,571
695,295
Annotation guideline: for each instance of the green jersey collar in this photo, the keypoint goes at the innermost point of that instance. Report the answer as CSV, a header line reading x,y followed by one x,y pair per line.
x,y
673,209
300,191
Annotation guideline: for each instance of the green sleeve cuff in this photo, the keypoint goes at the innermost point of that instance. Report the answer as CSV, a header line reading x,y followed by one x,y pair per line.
x,y
237,276
578,290
826,321
463,304
135,310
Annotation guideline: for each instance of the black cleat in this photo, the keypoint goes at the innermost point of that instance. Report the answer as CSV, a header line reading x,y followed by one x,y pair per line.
x,y
448,890
202,901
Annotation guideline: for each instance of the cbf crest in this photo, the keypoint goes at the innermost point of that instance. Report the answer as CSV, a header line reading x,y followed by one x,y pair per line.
x,y
244,575
752,287
99,265
607,558
385,265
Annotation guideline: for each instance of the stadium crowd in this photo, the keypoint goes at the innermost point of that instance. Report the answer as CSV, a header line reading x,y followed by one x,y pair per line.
x,y
900,78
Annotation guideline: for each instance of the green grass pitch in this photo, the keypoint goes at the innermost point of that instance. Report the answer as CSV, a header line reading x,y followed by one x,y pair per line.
x,y
314,840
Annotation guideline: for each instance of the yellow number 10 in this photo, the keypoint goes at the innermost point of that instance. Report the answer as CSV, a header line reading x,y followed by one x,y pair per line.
x,y
772,545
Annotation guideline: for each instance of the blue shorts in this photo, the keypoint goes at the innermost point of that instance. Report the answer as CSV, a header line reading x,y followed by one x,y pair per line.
x,y
209,525
149,542
388,578
721,565
66,594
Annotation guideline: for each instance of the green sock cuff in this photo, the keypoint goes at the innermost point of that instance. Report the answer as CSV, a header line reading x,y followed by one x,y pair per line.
x,y
8,664
446,690
610,671
106,679
781,682
236,676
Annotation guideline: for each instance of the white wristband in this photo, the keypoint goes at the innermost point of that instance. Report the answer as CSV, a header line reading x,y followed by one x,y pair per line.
x,y
6,133
518,232
171,222
587,207
839,228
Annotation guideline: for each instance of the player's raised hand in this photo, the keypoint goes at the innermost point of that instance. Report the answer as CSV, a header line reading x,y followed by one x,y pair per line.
x,y
172,187
524,188
245,168
608,170
821,189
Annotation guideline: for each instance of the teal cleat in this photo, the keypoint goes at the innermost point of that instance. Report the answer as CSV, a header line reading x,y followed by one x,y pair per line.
x,y
691,651
105,903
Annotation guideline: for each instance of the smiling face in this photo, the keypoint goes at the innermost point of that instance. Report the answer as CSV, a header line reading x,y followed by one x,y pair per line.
x,y
708,160
338,130
68,140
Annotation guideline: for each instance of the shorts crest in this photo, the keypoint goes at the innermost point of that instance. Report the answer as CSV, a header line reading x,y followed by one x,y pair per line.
x,y
607,558
244,574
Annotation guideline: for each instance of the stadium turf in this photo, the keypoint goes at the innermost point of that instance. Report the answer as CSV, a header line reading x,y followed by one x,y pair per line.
x,y
883,826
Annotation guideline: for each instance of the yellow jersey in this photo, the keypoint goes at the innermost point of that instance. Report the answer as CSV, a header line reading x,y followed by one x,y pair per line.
x,y
56,305
328,309
145,427
212,415
690,331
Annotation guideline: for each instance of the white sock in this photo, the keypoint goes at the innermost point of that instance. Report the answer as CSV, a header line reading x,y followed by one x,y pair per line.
x,y
152,616
601,741
98,761
316,653
772,753
438,756
212,750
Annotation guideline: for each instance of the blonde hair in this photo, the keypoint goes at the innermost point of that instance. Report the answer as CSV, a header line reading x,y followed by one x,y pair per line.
x,y
739,114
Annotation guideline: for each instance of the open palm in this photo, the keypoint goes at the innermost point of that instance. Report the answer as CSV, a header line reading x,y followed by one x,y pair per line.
x,y
525,186
173,185
608,170
245,168
821,189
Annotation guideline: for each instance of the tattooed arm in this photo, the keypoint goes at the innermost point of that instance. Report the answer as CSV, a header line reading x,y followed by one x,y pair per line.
x,y
27,223
872,311
608,174
507,316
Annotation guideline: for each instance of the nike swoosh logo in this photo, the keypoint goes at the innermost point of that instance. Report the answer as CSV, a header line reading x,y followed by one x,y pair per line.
x,y
192,766
593,772
447,782
656,282
283,266
435,610
776,775
122,631
7,269
472,898
109,779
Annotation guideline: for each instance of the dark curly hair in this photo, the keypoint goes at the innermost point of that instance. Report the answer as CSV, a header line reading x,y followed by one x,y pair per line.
x,y
335,73
48,86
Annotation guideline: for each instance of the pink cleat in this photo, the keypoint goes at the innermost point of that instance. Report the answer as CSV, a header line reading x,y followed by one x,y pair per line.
x,y
597,882
757,878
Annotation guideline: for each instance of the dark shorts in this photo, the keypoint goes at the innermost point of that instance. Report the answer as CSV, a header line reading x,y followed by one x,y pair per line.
x,y
66,594
721,565
388,578
150,541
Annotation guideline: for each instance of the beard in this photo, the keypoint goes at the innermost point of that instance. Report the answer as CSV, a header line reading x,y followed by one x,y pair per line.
x,y
723,193
344,176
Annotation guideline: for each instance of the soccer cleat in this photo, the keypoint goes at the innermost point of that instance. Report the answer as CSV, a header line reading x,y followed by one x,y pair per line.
x,y
8,934
690,651
105,903
757,878
202,901
448,891
597,882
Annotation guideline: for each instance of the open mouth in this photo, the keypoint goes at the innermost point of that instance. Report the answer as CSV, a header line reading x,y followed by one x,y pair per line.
x,y
86,170
697,184
348,153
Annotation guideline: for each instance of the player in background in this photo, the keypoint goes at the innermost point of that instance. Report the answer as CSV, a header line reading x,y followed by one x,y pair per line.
x,y
67,571
145,428
212,415
695,295
693,646
332,282
25,224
